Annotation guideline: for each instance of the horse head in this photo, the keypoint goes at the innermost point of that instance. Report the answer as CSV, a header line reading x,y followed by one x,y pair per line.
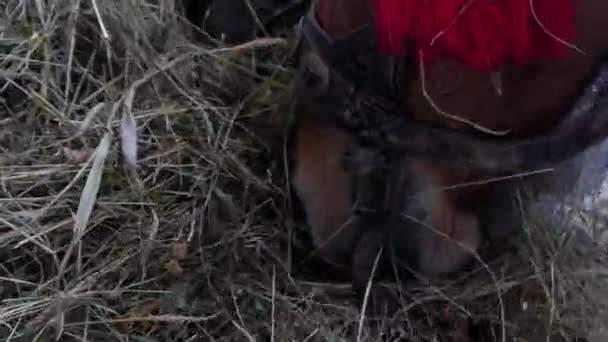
x,y
463,102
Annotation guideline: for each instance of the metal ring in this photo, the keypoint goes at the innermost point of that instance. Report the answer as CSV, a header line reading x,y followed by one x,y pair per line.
x,y
314,74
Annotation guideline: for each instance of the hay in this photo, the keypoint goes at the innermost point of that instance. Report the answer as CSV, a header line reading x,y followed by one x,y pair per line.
x,y
144,196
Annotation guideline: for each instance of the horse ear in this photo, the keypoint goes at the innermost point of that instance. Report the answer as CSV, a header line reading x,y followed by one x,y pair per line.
x,y
483,34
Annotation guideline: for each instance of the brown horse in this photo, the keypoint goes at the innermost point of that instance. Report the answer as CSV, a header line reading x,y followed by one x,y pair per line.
x,y
442,229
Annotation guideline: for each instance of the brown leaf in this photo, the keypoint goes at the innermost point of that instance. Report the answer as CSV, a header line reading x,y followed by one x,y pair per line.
x,y
460,332
533,295
77,156
459,325
179,250
123,327
173,267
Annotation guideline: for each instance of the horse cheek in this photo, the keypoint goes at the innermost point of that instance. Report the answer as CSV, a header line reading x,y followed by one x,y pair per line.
x,y
320,182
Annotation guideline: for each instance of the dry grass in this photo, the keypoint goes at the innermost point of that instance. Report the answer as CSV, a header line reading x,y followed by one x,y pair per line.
x,y
144,198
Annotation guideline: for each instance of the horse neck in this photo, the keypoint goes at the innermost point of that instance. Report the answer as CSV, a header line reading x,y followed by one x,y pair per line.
x,y
342,16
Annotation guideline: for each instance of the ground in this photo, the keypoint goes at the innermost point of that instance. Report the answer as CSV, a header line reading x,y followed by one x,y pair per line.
x,y
144,197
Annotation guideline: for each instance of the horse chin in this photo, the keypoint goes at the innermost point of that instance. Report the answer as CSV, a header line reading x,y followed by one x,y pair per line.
x,y
447,253
432,250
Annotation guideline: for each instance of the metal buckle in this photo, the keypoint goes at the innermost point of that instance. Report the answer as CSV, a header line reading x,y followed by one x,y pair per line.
x,y
314,74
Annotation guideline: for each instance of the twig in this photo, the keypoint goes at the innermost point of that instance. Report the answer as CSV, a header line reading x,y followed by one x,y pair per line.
x,y
448,115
